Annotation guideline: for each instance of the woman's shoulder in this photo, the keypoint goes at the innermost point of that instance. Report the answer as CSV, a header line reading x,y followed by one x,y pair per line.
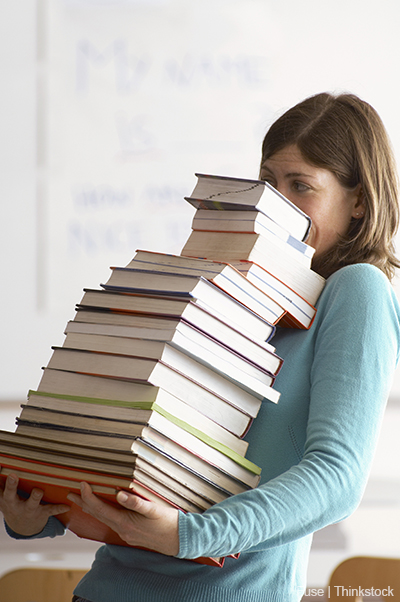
x,y
359,280
359,290
361,272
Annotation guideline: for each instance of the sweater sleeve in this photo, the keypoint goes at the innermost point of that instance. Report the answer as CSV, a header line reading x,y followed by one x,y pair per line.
x,y
355,346
53,528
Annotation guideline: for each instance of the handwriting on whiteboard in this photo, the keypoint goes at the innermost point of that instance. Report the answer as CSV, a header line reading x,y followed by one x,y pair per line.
x,y
129,71
89,197
106,218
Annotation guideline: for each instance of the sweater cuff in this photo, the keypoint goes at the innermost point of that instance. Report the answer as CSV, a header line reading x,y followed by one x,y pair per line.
x,y
53,528
183,536
199,534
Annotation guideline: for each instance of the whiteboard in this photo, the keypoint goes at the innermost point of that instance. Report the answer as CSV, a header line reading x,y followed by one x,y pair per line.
x,y
109,108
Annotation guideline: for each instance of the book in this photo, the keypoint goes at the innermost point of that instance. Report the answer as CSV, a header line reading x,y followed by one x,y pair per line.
x,y
225,193
172,490
172,474
235,418
162,421
231,313
201,482
160,329
188,340
301,313
198,475
216,473
162,371
57,452
138,411
306,283
239,468
186,500
248,221
148,282
76,520
176,275
264,238
22,448
55,492
230,247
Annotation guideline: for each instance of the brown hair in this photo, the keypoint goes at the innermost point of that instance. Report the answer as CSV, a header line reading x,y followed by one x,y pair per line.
x,y
346,135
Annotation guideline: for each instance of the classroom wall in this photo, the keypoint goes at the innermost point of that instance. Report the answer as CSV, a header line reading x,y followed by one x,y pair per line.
x,y
109,107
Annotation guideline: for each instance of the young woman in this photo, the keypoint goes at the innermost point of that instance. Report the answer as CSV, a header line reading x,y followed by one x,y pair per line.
x,y
331,157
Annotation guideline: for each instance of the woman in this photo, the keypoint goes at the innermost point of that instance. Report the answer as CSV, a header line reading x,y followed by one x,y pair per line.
x,y
331,157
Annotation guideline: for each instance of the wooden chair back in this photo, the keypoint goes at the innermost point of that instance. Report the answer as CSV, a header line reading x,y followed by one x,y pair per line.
x,y
39,585
364,578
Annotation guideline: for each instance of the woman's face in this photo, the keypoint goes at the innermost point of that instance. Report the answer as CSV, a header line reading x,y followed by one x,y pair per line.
x,y
317,192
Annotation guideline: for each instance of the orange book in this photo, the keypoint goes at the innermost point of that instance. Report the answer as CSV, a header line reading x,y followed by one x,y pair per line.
x,y
56,489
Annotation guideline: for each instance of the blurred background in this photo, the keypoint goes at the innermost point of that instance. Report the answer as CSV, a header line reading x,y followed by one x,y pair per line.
x,y
107,110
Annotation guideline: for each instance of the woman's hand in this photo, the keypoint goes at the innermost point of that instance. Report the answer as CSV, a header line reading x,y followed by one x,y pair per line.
x,y
26,517
141,523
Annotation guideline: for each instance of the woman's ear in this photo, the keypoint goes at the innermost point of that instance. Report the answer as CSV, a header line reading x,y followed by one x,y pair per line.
x,y
359,203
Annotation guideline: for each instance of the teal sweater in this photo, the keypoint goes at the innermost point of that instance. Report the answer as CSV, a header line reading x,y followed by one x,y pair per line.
x,y
315,448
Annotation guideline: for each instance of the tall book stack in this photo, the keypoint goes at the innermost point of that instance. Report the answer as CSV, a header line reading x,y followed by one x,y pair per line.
x,y
165,366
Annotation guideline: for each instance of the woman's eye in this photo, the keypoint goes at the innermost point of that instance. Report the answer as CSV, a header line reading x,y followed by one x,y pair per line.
x,y
300,187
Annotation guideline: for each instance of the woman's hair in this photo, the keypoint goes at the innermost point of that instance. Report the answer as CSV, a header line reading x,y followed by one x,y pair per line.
x,y
345,135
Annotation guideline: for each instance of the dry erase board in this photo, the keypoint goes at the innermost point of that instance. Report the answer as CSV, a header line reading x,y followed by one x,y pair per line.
x,y
109,107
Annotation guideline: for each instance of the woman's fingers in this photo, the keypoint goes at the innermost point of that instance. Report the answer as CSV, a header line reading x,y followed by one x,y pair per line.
x,y
134,502
139,522
10,488
26,517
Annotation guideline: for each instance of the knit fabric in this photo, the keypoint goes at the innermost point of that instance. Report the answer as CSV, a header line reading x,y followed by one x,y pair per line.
x,y
315,448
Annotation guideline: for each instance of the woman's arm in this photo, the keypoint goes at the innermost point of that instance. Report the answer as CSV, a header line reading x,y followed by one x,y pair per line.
x,y
355,350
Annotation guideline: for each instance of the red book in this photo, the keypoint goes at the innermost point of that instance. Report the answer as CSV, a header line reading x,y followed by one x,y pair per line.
x,y
56,489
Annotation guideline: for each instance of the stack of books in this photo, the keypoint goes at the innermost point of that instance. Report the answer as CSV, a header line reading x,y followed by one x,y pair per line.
x,y
261,233
164,368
